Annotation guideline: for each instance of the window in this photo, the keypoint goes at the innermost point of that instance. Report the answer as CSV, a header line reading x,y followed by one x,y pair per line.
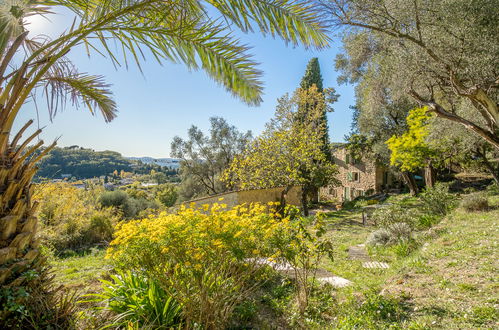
x,y
356,176
353,176
347,159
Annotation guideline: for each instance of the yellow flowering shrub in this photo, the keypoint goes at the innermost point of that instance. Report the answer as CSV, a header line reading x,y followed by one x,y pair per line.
x,y
209,258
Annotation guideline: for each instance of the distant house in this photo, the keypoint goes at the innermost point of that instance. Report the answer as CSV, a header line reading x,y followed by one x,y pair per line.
x,y
358,177
65,176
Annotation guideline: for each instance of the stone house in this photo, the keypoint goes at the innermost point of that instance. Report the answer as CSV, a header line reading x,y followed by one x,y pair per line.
x,y
362,177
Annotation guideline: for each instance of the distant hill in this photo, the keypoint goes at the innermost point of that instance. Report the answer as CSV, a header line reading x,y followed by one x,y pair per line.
x,y
83,163
166,162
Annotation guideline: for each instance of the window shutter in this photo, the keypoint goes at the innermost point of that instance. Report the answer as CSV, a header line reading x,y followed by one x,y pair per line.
x,y
349,176
347,159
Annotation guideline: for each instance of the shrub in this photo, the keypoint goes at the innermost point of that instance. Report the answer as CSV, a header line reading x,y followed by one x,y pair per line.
x,y
425,221
379,237
209,260
120,200
167,194
139,301
475,202
392,213
394,233
438,200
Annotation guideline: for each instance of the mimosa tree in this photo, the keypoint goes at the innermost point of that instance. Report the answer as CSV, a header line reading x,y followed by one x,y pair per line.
x,y
289,152
124,31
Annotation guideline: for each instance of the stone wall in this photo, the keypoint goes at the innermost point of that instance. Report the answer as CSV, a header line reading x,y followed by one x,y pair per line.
x,y
356,178
250,196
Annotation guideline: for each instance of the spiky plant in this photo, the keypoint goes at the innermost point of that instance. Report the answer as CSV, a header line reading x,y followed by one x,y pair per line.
x,y
122,30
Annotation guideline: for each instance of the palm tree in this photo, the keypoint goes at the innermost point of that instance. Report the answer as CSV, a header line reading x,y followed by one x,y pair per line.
x,y
179,31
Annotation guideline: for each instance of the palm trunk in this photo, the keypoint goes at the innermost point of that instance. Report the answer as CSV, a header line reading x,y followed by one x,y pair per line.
x,y
18,246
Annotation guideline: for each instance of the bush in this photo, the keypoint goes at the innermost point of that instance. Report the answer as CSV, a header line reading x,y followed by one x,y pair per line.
x,y
129,206
438,200
138,301
208,260
392,213
475,202
394,233
70,218
211,259
167,194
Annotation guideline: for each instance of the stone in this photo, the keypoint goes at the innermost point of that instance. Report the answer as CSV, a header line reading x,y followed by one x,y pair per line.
x,y
375,264
358,252
336,281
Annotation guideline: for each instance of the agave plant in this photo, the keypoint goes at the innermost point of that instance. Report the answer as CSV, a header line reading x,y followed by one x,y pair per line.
x,y
180,31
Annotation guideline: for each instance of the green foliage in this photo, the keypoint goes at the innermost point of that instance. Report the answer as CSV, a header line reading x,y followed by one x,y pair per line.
x,y
138,301
312,76
71,218
38,305
372,311
399,232
484,314
475,202
493,189
395,50
304,247
288,152
84,163
130,207
204,157
167,194
410,151
437,200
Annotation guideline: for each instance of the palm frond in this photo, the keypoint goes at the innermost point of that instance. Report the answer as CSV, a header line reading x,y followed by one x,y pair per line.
x,y
80,88
294,21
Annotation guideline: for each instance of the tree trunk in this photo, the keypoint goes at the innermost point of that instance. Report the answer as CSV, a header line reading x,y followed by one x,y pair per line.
x,y
429,175
18,246
282,205
304,200
493,171
410,182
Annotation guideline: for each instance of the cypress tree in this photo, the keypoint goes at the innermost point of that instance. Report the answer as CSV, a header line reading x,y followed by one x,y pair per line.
x,y
313,76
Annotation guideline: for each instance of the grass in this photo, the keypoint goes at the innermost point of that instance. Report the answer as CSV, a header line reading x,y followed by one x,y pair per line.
x,y
81,272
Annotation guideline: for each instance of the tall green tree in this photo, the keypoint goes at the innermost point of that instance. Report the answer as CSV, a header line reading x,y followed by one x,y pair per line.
x,y
312,75
440,54
181,31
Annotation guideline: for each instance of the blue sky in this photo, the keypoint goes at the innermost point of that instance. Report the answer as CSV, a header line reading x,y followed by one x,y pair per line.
x,y
166,100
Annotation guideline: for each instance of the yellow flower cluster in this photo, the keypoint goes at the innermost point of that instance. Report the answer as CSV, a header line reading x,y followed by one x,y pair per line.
x,y
196,237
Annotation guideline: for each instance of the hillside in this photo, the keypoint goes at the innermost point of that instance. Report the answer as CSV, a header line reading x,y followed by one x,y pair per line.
x,y
83,163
